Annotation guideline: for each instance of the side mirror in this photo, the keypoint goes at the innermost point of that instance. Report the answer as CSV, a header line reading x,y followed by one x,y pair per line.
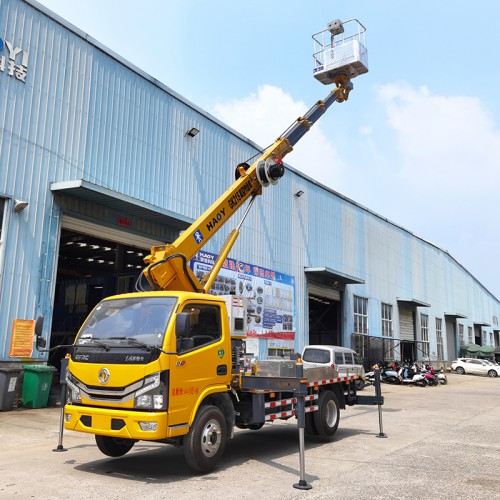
x,y
182,330
40,341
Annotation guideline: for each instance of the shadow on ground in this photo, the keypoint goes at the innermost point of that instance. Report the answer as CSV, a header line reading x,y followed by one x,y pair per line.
x,y
157,463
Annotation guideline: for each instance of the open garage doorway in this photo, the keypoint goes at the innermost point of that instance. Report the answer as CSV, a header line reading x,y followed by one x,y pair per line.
x,y
89,268
324,321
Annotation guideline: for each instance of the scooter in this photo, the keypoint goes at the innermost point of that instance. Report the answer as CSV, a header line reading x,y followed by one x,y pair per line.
x,y
386,375
410,376
438,375
430,378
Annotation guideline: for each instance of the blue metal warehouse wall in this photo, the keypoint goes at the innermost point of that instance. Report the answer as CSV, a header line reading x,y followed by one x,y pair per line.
x,y
85,113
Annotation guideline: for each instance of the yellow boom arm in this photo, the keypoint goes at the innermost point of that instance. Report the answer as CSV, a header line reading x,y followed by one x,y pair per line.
x,y
167,267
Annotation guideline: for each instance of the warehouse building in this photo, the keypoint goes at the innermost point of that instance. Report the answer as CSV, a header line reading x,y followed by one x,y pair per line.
x,y
99,161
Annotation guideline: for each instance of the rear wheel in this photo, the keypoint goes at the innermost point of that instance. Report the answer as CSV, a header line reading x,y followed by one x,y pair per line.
x,y
326,419
206,440
460,370
492,373
114,447
310,428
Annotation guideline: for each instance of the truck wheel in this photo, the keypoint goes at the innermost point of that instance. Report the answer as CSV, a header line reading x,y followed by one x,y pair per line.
x,y
326,419
206,440
114,447
310,428
252,427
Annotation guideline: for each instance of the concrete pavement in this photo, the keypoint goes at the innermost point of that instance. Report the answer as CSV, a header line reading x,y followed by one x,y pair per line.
x,y
443,442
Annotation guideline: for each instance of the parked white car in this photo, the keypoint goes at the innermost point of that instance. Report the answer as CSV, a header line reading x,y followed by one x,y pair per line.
x,y
342,359
475,367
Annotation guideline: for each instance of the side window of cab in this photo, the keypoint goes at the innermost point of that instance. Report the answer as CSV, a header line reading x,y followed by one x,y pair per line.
x,y
205,321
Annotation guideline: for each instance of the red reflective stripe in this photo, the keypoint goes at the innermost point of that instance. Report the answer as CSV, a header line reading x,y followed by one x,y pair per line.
x,y
283,414
274,404
330,381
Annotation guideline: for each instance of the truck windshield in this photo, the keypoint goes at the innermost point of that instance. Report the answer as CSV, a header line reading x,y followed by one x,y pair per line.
x,y
143,319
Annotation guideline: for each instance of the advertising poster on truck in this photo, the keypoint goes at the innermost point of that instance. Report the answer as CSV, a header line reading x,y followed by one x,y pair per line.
x,y
270,295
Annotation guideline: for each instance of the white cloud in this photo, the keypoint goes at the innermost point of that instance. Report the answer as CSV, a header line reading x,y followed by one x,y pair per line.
x,y
263,116
427,162
445,174
444,142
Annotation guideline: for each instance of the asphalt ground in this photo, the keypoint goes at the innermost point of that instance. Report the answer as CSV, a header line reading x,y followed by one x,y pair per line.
x,y
443,442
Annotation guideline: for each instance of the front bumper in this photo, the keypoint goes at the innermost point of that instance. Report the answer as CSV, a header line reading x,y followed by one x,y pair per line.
x,y
115,423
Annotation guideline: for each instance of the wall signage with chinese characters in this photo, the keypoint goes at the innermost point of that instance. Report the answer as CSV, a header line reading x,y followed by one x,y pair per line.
x,y
13,60
270,294
21,343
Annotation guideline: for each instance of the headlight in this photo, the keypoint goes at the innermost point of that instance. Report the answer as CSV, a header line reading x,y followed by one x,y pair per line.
x,y
150,383
152,395
74,394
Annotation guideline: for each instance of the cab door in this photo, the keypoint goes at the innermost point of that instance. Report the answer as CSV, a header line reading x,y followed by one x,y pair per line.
x,y
203,361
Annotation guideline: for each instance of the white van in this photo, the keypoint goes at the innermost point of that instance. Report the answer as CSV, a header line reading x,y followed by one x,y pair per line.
x,y
342,359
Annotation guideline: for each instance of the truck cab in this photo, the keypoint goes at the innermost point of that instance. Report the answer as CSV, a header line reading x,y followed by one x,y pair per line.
x,y
157,354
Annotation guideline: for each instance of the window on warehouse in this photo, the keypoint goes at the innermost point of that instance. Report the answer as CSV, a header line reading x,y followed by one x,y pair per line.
x,y
2,236
461,334
387,320
360,315
439,338
424,332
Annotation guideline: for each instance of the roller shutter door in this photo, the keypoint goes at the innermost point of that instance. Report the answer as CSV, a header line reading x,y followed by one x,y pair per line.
x,y
318,290
406,326
106,233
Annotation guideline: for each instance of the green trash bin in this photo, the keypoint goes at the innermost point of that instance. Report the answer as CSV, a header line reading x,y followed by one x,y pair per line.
x,y
36,385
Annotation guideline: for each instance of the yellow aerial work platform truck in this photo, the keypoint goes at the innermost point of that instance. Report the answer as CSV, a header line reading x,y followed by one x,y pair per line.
x,y
168,363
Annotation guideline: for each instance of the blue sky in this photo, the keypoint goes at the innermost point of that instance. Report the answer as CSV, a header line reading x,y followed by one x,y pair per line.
x,y
419,139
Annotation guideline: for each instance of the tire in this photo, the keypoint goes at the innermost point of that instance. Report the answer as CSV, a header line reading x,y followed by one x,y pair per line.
x,y
205,443
392,380
460,370
326,419
310,427
114,447
256,427
252,427
492,373
443,381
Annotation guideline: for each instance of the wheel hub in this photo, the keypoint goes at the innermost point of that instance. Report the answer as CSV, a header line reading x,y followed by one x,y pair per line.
x,y
211,438
331,413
